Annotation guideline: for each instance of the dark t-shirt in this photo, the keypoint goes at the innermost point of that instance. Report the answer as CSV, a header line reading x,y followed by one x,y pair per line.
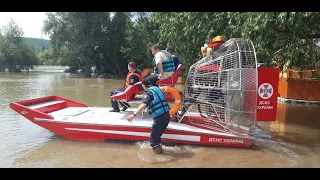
x,y
177,61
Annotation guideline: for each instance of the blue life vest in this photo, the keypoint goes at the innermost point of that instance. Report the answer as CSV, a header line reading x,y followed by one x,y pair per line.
x,y
159,104
168,65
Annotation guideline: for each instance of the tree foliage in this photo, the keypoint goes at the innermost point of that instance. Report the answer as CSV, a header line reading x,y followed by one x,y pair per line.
x,y
41,44
15,53
88,39
141,34
110,40
290,36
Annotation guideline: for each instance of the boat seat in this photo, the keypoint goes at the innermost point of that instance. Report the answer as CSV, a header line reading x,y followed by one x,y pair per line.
x,y
137,87
44,104
129,95
172,80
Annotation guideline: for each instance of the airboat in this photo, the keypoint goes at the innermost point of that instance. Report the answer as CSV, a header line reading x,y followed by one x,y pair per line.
x,y
225,95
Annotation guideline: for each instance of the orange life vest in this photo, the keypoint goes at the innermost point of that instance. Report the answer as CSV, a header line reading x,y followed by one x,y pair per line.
x,y
130,74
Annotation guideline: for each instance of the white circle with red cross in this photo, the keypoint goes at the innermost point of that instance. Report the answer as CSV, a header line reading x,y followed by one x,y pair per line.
x,y
265,90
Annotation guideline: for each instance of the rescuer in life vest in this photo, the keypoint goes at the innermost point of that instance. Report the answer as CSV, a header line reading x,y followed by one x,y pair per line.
x,y
155,100
133,77
163,63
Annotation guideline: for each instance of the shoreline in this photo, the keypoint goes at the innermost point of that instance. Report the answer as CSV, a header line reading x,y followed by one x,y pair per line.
x,y
296,101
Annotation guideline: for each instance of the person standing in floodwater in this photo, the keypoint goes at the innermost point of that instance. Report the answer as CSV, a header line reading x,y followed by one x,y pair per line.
x,y
155,100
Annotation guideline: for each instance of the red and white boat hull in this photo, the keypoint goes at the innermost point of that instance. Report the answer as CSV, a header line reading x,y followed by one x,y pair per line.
x,y
76,121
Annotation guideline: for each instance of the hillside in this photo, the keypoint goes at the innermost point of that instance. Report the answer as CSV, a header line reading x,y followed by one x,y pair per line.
x,y
40,43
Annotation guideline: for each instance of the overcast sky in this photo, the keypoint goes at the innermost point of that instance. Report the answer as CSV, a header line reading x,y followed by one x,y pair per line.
x,y
30,22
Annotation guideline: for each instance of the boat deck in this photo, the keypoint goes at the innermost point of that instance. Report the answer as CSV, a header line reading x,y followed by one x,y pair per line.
x,y
102,116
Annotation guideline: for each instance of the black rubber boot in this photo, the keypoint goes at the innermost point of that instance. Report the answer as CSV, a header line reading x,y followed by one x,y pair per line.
x,y
114,110
158,150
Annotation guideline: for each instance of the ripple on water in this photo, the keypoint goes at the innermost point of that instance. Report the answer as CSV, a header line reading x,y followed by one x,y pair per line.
x,y
283,153
170,153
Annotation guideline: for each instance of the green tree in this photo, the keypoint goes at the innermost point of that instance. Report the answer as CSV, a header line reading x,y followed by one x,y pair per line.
x,y
16,53
141,34
88,39
85,39
291,35
72,30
